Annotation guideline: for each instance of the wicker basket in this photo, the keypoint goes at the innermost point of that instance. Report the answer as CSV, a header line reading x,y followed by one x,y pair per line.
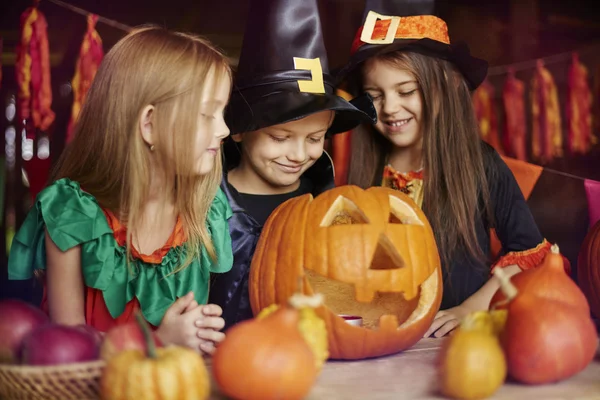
x,y
77,381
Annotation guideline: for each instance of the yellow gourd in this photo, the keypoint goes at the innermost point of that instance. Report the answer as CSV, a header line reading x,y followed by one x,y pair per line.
x,y
169,373
471,363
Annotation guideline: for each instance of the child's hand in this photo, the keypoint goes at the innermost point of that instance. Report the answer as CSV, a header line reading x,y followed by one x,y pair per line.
x,y
178,325
209,326
446,321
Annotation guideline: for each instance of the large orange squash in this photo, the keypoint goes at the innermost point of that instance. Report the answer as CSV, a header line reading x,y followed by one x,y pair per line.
x,y
588,268
371,252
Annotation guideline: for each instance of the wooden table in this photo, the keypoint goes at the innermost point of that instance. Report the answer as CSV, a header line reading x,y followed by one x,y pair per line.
x,y
412,375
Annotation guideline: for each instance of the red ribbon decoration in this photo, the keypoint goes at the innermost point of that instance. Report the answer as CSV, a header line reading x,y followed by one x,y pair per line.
x,y
579,105
513,96
90,57
546,132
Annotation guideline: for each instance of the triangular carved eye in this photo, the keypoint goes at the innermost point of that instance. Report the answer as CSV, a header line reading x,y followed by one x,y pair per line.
x,y
344,212
402,213
394,219
386,256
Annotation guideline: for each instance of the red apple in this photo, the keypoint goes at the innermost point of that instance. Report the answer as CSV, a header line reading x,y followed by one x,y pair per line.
x,y
124,337
17,319
58,344
96,334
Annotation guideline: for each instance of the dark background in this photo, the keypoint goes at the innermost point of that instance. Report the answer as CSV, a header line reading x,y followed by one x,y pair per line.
x,y
502,32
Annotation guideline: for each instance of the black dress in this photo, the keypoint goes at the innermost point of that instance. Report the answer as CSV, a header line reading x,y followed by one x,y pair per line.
x,y
522,242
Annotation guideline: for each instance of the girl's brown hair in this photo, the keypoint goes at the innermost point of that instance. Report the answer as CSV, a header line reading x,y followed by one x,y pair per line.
x,y
108,156
455,184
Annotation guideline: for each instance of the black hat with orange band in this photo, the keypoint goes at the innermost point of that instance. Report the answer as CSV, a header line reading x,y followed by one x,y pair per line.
x,y
392,25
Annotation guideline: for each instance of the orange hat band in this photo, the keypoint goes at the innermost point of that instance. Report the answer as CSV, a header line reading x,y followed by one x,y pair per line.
x,y
383,29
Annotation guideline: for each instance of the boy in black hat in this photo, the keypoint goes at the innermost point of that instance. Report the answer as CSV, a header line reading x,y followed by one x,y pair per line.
x,y
282,108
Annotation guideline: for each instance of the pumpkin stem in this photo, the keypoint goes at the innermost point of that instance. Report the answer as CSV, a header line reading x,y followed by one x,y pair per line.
x,y
150,346
477,321
554,249
509,290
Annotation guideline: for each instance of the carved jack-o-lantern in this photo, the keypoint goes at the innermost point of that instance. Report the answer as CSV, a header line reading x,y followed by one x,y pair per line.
x,y
371,252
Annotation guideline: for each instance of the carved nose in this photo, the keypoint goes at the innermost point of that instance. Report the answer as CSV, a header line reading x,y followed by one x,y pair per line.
x,y
386,256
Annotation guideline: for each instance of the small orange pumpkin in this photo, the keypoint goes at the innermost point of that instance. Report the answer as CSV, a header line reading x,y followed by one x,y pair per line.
x,y
270,358
370,252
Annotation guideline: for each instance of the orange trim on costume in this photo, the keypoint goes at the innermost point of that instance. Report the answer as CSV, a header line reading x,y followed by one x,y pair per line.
x,y
400,180
528,259
177,238
414,27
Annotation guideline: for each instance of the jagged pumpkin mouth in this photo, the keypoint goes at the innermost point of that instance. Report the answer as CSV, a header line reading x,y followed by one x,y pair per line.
x,y
341,298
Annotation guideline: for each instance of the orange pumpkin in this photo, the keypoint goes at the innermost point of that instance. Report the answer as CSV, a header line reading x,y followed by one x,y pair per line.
x,y
371,252
283,359
588,269
548,280
549,335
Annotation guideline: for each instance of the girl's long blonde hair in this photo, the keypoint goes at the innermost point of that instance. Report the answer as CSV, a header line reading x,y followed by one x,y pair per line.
x,y
108,156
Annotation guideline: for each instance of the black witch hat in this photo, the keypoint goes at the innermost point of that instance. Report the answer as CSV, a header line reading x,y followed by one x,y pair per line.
x,y
390,25
283,73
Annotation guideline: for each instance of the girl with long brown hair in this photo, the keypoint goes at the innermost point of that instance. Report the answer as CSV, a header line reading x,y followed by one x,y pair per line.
x,y
426,143
134,219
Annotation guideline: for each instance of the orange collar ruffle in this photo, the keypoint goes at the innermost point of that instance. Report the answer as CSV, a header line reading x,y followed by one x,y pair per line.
x,y
399,180
410,183
176,239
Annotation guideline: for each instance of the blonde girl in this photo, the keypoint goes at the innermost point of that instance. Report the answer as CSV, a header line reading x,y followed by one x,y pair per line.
x,y
134,218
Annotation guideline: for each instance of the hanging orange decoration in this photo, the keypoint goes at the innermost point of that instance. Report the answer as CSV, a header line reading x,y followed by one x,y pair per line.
x,y
579,105
90,57
515,127
483,102
547,141
33,70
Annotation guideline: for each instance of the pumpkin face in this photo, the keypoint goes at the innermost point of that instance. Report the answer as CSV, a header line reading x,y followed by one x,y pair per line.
x,y
370,252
